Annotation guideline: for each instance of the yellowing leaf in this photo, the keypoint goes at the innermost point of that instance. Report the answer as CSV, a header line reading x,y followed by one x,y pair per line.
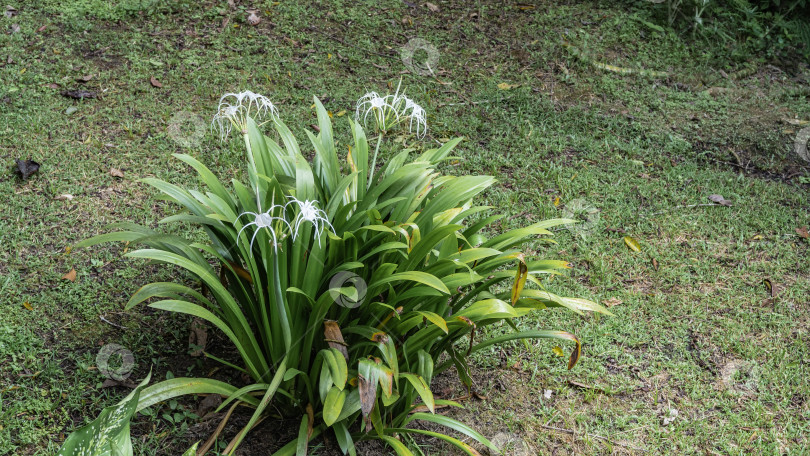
x,y
27,305
558,351
632,244
341,113
520,280
505,86
768,286
557,201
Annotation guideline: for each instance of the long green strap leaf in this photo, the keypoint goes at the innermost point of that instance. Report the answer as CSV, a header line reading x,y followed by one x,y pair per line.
x,y
182,386
271,390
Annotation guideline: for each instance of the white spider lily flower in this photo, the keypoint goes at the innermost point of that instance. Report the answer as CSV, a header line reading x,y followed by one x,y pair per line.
x,y
309,212
263,220
377,106
235,108
391,110
417,114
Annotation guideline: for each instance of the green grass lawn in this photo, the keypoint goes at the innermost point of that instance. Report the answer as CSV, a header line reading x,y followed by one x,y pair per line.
x,y
708,351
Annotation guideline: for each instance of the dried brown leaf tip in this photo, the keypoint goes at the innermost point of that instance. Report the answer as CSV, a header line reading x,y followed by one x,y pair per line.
x,y
334,337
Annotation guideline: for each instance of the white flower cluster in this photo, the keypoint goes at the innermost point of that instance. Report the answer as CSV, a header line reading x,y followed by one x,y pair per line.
x,y
390,110
235,108
307,211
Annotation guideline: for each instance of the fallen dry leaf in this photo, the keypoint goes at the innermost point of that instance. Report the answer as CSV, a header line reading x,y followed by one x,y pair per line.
x,y
26,168
197,337
612,302
155,82
655,264
253,18
42,29
115,172
432,7
581,385
209,404
64,197
803,232
717,91
70,275
715,198
79,94
84,78
110,383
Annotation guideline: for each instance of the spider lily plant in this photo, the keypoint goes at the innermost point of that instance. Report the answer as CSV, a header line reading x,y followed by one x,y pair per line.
x,y
352,358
